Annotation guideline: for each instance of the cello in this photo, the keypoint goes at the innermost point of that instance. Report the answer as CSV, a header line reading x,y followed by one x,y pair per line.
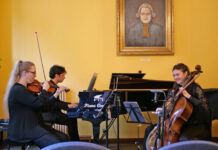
x,y
178,111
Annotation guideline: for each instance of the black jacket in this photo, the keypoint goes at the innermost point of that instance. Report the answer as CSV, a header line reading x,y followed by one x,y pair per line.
x,y
24,123
198,126
51,110
201,112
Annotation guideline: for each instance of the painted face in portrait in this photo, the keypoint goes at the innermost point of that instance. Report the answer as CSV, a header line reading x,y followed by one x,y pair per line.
x,y
145,15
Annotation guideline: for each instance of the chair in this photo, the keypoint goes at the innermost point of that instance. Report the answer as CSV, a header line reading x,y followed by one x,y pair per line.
x,y
3,128
24,145
192,145
212,96
75,145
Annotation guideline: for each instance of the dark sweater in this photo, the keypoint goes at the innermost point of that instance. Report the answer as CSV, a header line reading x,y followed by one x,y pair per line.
x,y
198,125
51,110
201,111
23,112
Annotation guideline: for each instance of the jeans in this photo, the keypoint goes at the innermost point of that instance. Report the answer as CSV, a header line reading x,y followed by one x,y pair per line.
x,y
52,137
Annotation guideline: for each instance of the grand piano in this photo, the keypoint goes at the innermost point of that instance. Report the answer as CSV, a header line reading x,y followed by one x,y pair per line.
x,y
132,87
128,87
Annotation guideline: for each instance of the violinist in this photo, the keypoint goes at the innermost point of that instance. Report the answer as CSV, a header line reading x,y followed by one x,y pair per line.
x,y
23,107
52,113
198,126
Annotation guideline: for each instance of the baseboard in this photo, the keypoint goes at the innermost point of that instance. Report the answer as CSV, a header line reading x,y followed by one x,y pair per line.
x,y
122,140
215,139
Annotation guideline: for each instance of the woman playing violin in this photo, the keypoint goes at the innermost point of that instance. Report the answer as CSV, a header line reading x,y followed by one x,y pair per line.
x,y
24,106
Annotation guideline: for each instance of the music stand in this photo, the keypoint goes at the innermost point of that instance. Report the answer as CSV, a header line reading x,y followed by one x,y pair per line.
x,y
112,97
136,116
134,112
92,82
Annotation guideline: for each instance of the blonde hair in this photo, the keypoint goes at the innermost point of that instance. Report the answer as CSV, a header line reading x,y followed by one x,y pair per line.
x,y
19,67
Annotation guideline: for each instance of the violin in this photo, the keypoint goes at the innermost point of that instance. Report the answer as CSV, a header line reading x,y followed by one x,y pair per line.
x,y
36,87
54,87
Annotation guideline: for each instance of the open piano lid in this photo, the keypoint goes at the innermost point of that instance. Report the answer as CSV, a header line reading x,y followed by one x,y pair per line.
x,y
135,81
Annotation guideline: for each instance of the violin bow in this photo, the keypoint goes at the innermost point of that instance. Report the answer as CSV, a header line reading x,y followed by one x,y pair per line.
x,y
42,66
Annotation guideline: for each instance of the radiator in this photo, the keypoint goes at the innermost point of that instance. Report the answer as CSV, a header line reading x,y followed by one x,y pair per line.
x,y
62,128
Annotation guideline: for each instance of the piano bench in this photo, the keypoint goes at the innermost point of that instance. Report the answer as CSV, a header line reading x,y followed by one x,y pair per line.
x,y
87,138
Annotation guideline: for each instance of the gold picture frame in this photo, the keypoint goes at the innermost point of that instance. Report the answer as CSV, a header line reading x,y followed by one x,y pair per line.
x,y
145,34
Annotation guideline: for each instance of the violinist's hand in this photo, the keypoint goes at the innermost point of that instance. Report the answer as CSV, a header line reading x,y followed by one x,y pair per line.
x,y
72,105
185,93
64,88
45,86
59,90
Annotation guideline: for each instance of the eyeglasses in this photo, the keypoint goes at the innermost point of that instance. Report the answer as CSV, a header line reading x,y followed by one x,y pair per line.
x,y
32,72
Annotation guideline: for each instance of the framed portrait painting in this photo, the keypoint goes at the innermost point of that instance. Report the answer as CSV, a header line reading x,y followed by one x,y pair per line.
x,y
145,27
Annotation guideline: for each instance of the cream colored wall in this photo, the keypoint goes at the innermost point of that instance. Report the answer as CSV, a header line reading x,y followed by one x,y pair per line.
x,y
81,35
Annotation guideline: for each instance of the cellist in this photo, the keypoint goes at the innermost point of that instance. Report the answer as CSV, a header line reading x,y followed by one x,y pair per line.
x,y
198,126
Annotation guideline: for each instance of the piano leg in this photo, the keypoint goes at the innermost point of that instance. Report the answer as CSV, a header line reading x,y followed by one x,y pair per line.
x,y
96,128
96,132
106,130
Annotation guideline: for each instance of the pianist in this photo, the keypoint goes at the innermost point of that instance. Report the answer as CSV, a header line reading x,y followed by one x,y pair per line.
x,y
52,113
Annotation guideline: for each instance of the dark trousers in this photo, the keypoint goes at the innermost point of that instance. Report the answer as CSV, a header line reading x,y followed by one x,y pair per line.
x,y
71,123
195,132
52,137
